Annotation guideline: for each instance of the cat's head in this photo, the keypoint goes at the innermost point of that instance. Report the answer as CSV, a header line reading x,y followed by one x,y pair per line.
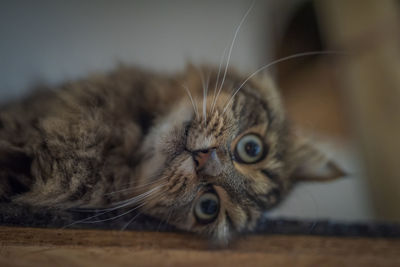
x,y
219,159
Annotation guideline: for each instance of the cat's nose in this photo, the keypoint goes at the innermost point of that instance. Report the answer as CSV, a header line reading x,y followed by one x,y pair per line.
x,y
201,157
207,162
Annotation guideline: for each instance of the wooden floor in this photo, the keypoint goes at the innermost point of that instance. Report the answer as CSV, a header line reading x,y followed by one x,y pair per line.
x,y
53,247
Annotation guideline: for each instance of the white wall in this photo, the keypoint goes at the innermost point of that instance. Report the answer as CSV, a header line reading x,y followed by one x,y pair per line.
x,y
50,41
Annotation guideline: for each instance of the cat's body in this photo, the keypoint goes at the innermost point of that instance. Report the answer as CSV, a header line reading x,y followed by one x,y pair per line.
x,y
206,160
80,130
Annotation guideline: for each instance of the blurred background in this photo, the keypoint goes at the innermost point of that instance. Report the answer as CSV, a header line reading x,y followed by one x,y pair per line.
x,y
53,41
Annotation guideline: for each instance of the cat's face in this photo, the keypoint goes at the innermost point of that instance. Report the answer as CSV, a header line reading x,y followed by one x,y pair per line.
x,y
215,170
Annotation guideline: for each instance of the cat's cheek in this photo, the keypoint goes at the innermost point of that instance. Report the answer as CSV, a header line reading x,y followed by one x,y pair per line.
x,y
154,159
152,167
190,223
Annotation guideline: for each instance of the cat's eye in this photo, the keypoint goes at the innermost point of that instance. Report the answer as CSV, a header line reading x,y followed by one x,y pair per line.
x,y
207,207
249,149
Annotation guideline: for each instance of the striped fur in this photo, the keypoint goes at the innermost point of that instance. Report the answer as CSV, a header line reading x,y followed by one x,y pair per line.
x,y
125,139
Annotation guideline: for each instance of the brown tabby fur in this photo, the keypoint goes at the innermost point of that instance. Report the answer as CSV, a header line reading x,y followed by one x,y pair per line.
x,y
110,138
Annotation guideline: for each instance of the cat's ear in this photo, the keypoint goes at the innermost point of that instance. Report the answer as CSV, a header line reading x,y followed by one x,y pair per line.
x,y
311,164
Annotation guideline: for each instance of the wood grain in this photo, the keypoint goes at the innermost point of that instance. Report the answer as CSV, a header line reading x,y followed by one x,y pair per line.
x,y
56,247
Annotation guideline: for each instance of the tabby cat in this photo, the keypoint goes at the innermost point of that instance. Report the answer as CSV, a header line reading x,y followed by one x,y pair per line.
x,y
207,152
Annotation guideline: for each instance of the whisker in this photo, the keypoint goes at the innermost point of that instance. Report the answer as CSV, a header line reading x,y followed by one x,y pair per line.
x,y
205,92
118,216
134,199
165,222
136,187
126,203
195,109
130,221
304,54
231,47
216,83
122,190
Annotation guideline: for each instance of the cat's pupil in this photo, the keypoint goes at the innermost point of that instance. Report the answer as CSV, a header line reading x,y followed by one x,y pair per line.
x,y
252,148
209,206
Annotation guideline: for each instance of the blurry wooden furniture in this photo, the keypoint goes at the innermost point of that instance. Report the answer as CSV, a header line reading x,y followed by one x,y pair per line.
x,y
367,31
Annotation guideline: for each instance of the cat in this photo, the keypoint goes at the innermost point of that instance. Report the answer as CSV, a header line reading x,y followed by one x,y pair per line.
x,y
205,151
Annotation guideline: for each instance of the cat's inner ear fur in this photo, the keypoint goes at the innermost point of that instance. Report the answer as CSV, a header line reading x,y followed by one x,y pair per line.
x,y
311,164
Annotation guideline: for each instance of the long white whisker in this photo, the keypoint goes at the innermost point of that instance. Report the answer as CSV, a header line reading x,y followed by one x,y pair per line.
x,y
205,92
124,204
312,53
118,216
231,47
135,199
136,187
204,96
130,221
216,83
164,221
196,111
